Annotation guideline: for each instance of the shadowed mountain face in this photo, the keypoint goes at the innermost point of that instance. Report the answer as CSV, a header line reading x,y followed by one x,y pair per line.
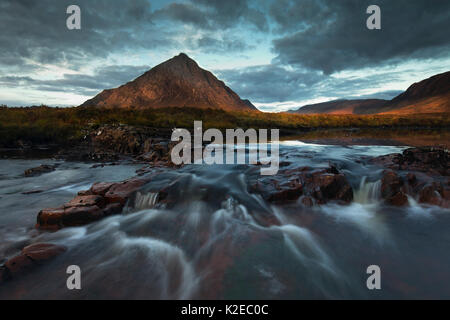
x,y
178,82
428,96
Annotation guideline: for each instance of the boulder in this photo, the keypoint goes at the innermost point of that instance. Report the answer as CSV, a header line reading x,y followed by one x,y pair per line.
x,y
40,252
101,200
314,186
328,186
434,161
30,257
45,168
120,192
79,216
101,188
86,201
19,264
391,189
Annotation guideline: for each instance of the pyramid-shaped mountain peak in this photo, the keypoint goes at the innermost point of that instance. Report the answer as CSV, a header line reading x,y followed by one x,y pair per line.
x,y
177,82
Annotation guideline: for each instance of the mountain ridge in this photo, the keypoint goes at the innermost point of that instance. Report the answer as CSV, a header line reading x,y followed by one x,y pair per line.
x,y
177,82
431,95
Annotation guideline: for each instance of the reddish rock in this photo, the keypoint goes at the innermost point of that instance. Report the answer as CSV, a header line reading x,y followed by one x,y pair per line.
x,y
328,186
103,199
31,257
86,201
85,193
322,185
50,218
430,195
43,251
391,189
435,194
112,209
79,216
289,192
120,192
101,188
19,264
434,161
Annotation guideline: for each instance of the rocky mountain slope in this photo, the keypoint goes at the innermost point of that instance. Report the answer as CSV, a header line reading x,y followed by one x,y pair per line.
x,y
428,96
178,82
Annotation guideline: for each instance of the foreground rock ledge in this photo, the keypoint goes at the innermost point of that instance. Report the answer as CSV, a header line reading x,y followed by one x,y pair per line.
x,y
31,257
101,200
420,173
312,186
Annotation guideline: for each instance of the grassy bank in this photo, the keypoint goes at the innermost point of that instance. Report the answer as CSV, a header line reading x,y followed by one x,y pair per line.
x,y
45,125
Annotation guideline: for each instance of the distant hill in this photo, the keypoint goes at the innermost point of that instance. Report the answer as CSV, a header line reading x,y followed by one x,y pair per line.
x,y
343,107
178,82
428,96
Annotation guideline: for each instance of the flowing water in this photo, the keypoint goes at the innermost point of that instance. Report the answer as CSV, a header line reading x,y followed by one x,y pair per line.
x,y
210,242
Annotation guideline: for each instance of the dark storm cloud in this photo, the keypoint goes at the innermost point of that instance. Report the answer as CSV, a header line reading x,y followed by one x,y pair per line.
x,y
331,35
215,14
220,45
104,77
273,83
270,83
36,30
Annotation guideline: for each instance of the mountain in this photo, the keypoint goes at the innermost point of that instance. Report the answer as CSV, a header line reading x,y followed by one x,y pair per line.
x,y
178,82
428,96
343,107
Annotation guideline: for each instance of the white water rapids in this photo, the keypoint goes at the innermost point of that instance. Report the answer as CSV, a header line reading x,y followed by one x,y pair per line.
x,y
211,242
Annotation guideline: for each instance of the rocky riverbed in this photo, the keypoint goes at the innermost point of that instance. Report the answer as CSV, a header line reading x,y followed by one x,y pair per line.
x,y
202,228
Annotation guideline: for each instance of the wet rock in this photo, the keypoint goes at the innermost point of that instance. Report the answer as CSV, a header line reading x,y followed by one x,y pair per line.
x,y
274,191
101,188
50,218
434,161
86,201
45,168
112,209
331,186
30,257
391,189
120,192
19,264
79,216
101,200
287,193
57,218
320,186
435,194
39,252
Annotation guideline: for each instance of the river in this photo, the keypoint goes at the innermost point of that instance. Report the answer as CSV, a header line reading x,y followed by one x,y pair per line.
x,y
209,245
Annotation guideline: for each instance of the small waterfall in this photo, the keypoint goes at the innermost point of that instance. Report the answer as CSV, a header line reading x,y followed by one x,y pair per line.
x,y
368,192
145,201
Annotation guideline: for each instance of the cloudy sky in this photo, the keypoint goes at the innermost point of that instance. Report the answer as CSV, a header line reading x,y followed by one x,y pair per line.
x,y
279,54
